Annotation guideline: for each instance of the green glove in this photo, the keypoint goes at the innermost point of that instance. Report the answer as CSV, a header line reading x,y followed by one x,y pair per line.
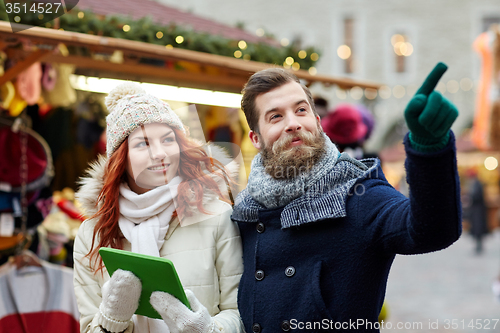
x,y
429,115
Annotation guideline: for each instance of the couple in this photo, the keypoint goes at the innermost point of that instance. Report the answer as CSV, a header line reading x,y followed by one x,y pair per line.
x,y
313,254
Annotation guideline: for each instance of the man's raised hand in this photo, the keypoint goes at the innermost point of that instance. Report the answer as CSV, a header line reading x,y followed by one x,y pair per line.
x,y
429,115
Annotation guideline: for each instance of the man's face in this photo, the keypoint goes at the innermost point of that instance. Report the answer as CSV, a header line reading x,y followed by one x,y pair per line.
x,y
153,157
290,135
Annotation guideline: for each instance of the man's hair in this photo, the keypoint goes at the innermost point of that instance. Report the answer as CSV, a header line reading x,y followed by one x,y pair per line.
x,y
261,83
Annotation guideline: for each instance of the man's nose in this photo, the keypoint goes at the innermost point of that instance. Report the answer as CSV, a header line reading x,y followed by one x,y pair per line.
x,y
292,124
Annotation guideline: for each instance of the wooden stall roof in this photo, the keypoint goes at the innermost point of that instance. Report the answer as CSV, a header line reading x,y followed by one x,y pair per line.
x,y
141,61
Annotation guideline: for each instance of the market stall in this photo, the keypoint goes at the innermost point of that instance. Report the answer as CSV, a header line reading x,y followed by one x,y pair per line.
x,y
70,121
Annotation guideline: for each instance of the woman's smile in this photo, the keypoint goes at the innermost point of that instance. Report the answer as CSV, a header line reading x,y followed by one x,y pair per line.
x,y
159,167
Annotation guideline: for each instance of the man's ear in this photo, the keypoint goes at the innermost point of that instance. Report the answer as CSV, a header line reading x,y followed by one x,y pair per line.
x,y
254,137
318,122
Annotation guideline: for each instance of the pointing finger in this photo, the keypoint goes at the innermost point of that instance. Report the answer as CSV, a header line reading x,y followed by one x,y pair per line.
x,y
432,79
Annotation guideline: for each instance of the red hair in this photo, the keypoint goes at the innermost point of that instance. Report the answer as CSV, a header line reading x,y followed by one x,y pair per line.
x,y
193,159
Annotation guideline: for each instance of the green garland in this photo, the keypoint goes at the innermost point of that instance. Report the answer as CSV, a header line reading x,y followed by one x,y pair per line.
x,y
145,30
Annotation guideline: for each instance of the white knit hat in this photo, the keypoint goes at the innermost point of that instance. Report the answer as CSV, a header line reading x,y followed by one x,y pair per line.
x,y
129,107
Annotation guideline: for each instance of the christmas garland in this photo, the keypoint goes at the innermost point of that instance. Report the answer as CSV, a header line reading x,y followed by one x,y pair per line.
x,y
145,30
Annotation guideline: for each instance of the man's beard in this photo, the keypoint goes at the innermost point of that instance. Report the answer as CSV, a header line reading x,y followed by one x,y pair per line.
x,y
284,162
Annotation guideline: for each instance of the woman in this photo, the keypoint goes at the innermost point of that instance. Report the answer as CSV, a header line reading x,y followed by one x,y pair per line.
x,y
157,193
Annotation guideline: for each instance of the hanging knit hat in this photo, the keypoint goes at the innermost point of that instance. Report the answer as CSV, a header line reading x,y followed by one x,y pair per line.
x,y
130,107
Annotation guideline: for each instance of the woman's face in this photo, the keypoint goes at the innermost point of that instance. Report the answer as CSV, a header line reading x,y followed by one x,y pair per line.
x,y
153,157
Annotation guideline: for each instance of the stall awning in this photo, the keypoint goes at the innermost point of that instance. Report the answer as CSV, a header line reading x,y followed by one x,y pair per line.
x,y
131,60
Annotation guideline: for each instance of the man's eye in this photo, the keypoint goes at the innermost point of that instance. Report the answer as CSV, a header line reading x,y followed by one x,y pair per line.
x,y
302,110
274,116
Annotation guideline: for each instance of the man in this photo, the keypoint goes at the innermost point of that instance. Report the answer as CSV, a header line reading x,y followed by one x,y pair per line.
x,y
320,230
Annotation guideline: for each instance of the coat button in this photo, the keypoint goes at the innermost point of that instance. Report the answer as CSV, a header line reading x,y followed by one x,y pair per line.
x,y
259,275
256,328
285,325
290,271
260,227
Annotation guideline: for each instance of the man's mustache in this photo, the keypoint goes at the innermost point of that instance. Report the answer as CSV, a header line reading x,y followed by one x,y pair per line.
x,y
285,141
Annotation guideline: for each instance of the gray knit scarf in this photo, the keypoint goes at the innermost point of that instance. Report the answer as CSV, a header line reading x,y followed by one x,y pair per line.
x,y
273,193
317,195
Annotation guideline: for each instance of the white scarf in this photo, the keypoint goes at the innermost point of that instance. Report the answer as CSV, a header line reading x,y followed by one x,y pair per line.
x,y
144,221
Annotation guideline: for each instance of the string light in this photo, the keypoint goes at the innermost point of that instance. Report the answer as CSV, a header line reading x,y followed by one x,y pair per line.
x,y
401,46
260,32
81,15
441,87
126,28
302,54
466,84
344,52
314,56
289,61
452,86
341,94
179,39
356,93
385,92
242,44
490,163
409,49
237,54
159,35
397,38
312,70
370,93
284,42
295,66
399,91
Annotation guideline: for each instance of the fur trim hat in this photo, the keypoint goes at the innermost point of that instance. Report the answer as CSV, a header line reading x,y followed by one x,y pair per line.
x,y
130,107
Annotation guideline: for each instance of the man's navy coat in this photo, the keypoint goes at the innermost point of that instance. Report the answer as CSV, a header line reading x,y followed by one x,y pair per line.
x,y
332,273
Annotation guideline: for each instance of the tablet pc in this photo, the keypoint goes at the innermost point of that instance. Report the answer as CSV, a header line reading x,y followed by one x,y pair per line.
x,y
155,273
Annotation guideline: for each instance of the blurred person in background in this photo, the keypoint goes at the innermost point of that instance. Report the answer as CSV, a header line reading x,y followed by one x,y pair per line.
x,y
321,105
349,126
476,210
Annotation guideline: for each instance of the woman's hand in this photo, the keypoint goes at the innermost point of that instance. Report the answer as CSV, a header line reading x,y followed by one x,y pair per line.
x,y
120,299
178,317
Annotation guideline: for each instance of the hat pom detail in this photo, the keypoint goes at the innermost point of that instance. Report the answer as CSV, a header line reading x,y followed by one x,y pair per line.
x,y
120,91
